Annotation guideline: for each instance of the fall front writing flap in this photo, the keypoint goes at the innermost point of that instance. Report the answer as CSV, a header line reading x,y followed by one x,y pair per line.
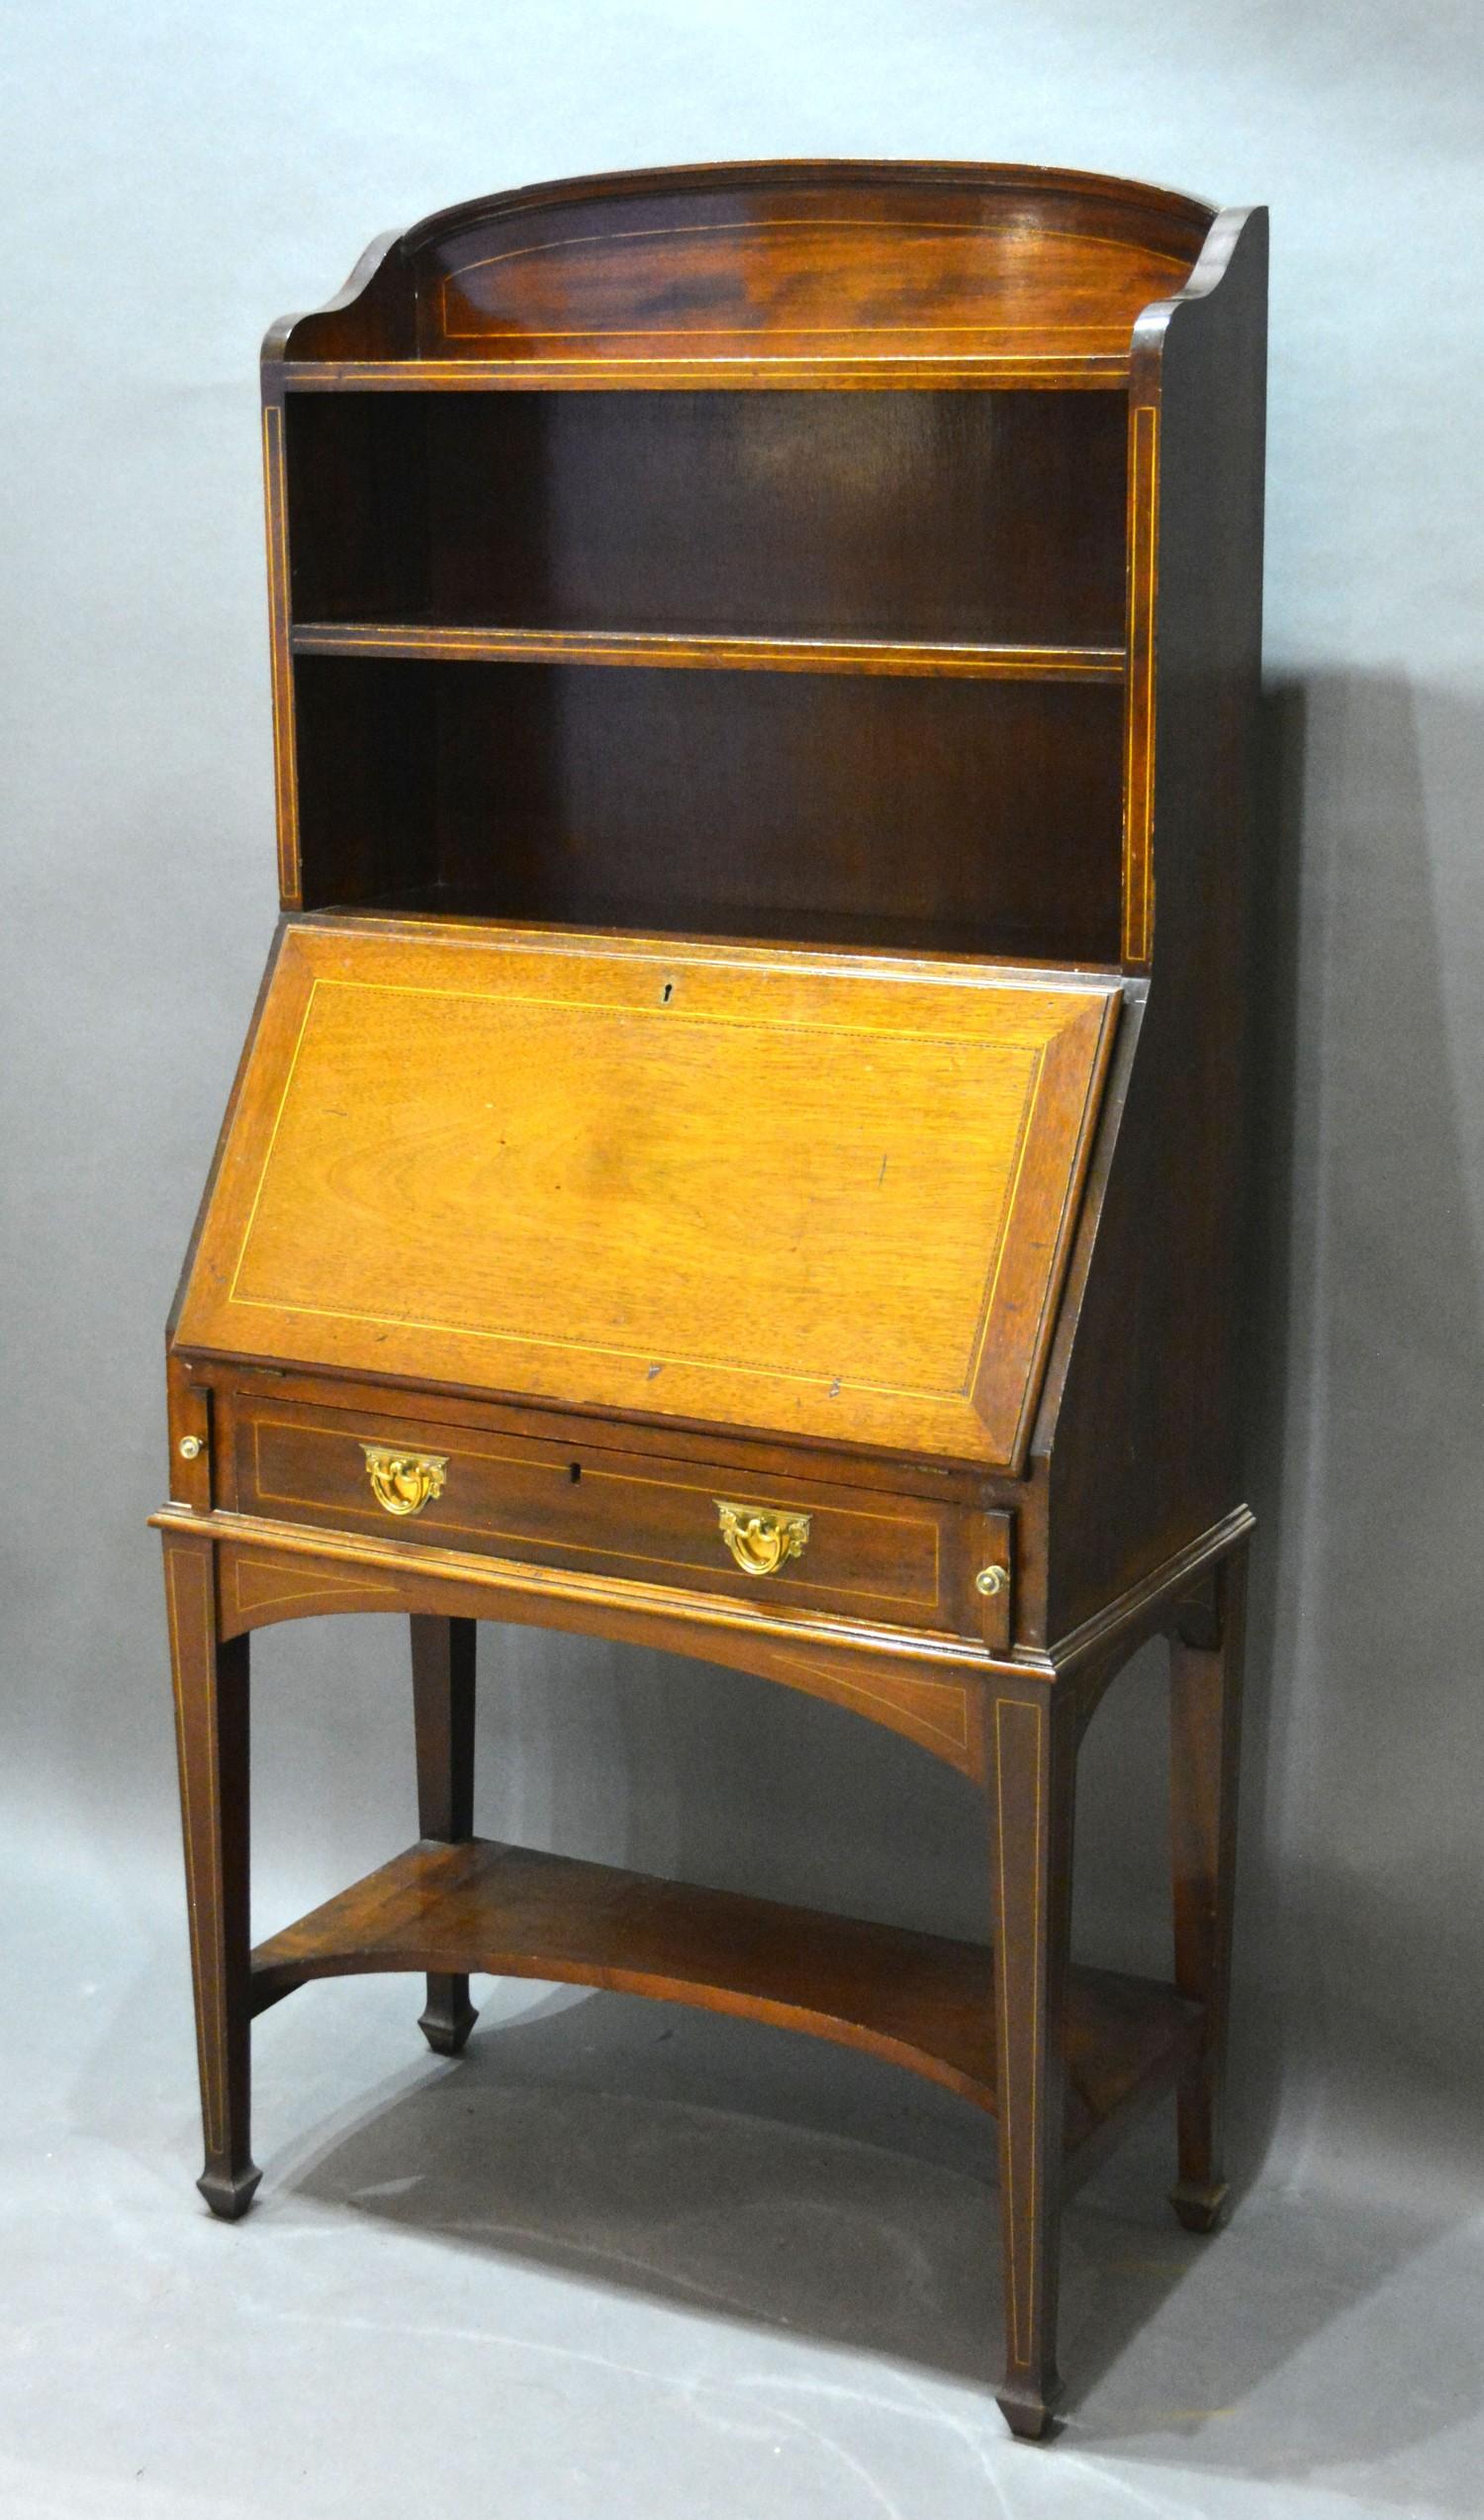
x,y
799,1194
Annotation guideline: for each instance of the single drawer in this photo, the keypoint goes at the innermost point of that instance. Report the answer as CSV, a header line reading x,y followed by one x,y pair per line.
x,y
857,1552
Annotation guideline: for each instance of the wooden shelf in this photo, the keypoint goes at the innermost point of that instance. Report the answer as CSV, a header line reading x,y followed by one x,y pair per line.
x,y
916,1999
1104,368
707,650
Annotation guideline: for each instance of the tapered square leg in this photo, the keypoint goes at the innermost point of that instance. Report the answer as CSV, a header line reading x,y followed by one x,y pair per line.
x,y
443,1718
1206,1653
212,1738
1031,1746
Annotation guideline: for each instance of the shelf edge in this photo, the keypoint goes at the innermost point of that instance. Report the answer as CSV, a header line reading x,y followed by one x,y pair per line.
x,y
713,651
1052,371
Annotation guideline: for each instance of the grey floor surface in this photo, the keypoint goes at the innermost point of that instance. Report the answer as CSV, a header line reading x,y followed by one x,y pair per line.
x,y
626,2260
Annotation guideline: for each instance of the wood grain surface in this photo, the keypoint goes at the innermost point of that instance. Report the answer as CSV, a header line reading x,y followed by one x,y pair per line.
x,y
753,1189
812,272
618,1512
917,2000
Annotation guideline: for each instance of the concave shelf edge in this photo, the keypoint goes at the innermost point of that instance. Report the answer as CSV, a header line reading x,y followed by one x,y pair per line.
x,y
916,1999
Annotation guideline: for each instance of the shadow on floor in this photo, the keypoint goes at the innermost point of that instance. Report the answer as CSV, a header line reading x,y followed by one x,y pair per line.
x,y
600,2137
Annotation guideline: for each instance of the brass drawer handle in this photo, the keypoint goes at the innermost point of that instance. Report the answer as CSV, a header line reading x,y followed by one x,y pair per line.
x,y
991,1580
403,1481
760,1540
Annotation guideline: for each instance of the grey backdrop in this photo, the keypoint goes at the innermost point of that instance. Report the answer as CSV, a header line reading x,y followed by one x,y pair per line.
x,y
181,172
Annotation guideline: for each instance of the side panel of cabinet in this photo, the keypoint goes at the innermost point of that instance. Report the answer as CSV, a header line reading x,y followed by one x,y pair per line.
x,y
1144,1447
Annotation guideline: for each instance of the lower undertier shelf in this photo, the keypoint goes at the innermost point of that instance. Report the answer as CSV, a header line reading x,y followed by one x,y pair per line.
x,y
916,1999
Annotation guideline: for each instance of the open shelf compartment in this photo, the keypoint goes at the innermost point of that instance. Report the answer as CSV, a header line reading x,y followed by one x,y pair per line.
x,y
917,2000
986,815
893,518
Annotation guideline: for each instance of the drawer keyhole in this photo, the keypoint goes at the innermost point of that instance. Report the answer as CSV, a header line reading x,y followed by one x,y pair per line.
x,y
574,1472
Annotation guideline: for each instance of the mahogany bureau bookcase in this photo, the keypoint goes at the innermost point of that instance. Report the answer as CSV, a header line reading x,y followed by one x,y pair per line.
x,y
739,1148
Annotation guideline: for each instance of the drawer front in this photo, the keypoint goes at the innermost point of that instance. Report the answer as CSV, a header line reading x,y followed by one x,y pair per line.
x,y
858,1552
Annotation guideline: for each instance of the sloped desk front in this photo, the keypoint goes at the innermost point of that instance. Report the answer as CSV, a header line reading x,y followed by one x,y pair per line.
x,y
679,1181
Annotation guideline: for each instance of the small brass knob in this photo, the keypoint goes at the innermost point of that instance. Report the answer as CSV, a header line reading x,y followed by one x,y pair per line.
x,y
991,1580
403,1483
189,1447
760,1540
